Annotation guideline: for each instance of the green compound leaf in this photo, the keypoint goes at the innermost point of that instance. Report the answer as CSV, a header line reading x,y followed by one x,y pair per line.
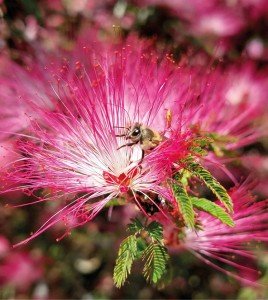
x,y
156,257
185,204
126,255
212,183
213,209
136,226
155,231
146,243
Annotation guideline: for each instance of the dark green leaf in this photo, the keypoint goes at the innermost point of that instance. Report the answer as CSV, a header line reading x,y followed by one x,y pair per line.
x,y
141,246
136,226
155,231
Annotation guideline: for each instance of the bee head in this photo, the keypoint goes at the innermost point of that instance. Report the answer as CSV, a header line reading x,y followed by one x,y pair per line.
x,y
135,132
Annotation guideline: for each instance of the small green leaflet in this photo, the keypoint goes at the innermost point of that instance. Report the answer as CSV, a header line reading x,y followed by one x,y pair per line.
x,y
220,192
155,231
135,226
126,255
141,246
156,260
185,204
183,176
149,247
213,209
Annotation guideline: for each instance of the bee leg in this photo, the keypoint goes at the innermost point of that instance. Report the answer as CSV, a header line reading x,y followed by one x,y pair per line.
x,y
128,144
120,135
142,155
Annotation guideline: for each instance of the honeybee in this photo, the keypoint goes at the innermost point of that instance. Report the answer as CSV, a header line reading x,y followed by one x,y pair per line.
x,y
144,135
151,203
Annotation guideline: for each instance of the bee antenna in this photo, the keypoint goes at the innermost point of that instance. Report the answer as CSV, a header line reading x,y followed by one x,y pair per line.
x,y
128,144
121,147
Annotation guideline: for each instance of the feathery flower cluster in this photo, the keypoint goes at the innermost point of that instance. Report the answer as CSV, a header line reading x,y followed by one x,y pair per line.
x,y
231,250
19,85
19,268
227,248
220,23
75,148
120,121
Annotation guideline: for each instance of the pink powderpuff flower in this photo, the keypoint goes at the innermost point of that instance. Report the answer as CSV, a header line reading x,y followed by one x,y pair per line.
x,y
219,18
231,249
77,150
236,102
205,18
255,49
237,105
256,10
257,164
81,149
20,270
33,80
8,155
19,84
219,22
